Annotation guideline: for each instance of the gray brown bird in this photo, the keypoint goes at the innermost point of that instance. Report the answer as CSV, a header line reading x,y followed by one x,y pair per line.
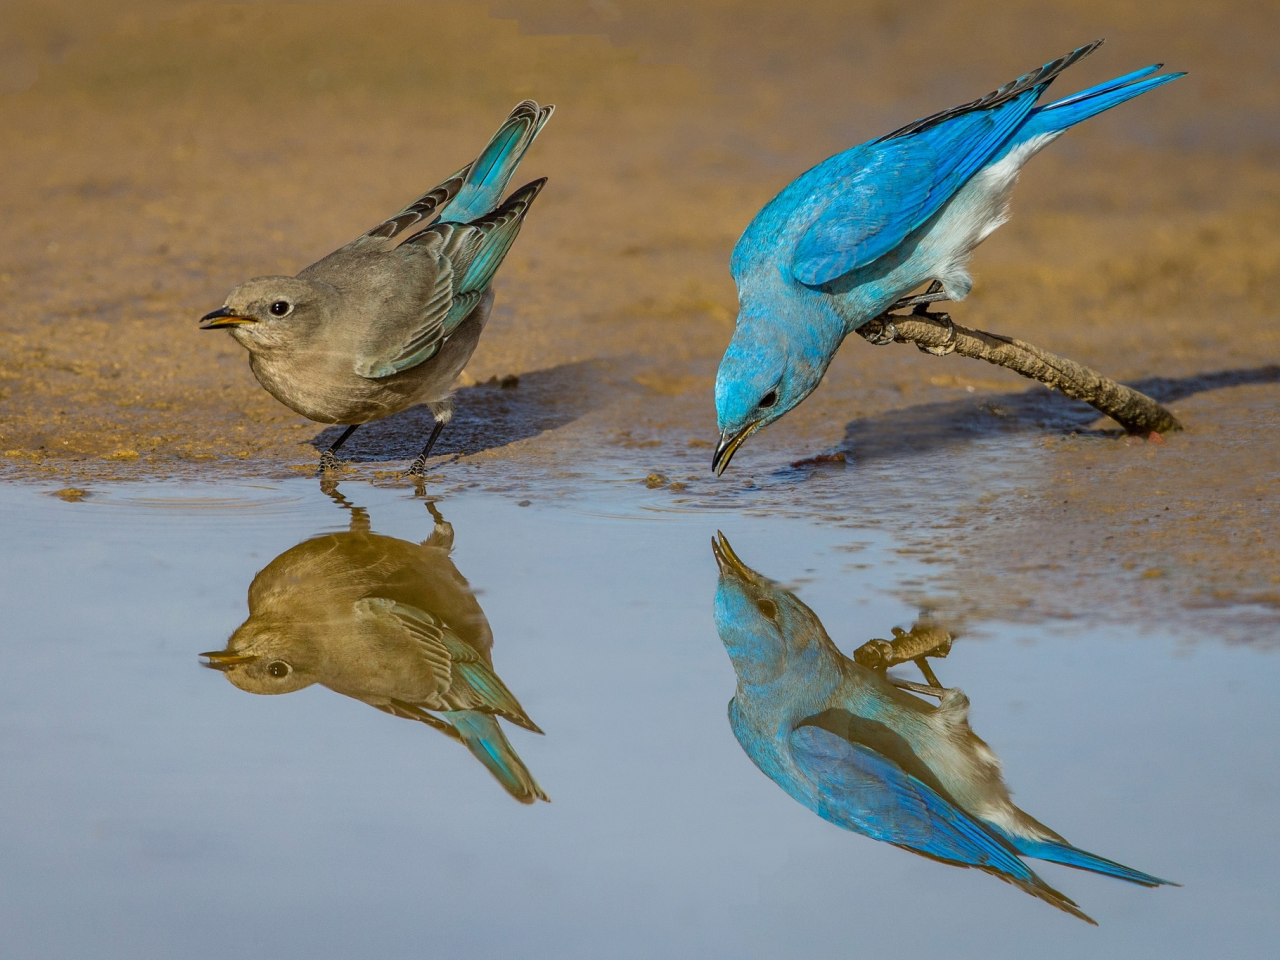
x,y
390,320
389,623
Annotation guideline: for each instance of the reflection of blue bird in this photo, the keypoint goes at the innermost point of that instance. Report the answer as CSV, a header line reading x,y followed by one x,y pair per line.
x,y
869,757
848,240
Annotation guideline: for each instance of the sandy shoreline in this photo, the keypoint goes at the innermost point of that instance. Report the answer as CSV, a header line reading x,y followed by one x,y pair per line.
x,y
157,165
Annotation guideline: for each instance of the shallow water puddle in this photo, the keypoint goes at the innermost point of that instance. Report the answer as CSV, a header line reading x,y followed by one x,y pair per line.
x,y
153,807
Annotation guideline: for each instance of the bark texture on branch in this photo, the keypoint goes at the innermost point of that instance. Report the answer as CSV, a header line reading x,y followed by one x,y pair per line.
x,y
935,333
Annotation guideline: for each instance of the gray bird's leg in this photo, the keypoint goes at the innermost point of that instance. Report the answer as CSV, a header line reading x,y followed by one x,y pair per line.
x,y
442,410
442,535
329,459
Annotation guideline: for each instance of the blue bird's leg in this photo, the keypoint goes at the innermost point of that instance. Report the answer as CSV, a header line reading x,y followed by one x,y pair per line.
x,y
928,691
929,675
932,295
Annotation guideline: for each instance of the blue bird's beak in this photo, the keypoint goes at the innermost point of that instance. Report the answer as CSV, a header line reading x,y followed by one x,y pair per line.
x,y
729,443
729,563
222,317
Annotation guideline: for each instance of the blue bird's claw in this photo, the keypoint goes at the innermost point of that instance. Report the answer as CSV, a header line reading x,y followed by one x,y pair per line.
x,y
881,331
949,345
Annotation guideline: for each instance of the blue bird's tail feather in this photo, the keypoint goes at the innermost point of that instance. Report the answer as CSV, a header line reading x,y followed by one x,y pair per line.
x,y
1067,112
488,176
486,741
1070,856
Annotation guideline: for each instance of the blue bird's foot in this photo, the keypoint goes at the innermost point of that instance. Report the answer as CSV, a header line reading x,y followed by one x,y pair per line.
x,y
880,331
947,346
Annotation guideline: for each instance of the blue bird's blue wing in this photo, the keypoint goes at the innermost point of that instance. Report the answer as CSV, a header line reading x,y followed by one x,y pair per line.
x,y
882,191
866,792
862,789
877,201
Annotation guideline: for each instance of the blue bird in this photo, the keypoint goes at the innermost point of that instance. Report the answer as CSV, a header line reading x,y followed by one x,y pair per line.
x,y
848,240
867,756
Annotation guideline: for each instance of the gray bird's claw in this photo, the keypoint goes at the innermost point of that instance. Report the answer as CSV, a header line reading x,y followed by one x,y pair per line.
x,y
329,462
882,332
942,349
418,468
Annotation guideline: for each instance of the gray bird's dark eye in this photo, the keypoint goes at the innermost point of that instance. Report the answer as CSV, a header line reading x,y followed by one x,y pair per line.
x,y
769,399
280,308
768,608
278,668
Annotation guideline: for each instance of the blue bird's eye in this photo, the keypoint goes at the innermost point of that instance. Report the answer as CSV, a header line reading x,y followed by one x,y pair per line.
x,y
768,609
280,308
769,399
278,668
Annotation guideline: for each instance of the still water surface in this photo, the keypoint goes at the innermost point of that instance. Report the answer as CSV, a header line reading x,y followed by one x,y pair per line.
x,y
153,807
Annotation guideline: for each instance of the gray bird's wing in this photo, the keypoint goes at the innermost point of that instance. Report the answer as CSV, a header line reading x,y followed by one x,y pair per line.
x,y
426,208
426,632
476,687
472,683
465,257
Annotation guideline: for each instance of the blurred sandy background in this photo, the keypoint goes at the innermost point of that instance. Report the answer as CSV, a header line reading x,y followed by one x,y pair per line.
x,y
155,155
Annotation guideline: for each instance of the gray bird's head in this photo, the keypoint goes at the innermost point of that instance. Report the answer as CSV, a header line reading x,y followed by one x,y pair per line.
x,y
271,312
264,657
766,372
760,624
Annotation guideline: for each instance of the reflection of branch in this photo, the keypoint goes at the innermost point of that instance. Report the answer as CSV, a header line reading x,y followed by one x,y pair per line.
x,y
923,640
935,333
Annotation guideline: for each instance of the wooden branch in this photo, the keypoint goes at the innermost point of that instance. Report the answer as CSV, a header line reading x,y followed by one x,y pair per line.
x,y
935,333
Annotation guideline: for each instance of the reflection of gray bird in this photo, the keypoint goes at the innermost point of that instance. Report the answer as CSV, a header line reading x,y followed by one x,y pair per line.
x,y
853,748
384,323
387,622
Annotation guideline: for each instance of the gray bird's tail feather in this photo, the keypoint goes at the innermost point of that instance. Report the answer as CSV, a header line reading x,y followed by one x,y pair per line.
x,y
486,741
487,177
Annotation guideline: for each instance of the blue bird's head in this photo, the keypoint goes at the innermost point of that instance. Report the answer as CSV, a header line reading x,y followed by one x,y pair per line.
x,y
760,624
765,372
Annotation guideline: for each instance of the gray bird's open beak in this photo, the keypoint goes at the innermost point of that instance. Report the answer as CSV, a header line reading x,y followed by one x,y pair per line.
x,y
222,317
727,446
224,660
727,560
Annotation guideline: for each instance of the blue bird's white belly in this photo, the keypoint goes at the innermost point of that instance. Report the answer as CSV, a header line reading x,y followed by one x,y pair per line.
x,y
972,215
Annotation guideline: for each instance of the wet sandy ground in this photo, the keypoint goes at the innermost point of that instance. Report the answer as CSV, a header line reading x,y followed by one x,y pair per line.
x,y
158,160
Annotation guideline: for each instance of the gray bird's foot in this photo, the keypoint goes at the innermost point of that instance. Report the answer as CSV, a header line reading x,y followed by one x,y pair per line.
x,y
417,469
330,463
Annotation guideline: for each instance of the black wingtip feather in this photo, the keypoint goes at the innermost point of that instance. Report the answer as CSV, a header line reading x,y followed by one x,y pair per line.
x,y
1039,77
